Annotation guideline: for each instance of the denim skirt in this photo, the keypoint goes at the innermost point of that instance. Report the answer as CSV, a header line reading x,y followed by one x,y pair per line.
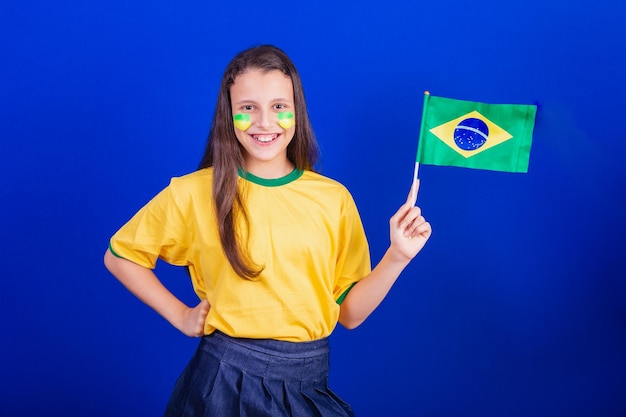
x,y
232,377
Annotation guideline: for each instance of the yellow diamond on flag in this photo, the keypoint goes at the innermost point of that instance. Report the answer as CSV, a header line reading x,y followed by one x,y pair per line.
x,y
470,134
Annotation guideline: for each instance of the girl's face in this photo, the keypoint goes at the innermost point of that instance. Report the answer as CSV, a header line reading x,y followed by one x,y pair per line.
x,y
263,111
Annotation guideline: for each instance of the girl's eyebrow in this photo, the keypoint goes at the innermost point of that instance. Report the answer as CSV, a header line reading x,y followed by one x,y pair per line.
x,y
244,101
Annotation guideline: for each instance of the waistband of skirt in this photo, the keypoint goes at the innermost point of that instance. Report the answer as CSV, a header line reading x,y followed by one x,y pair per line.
x,y
271,358
281,348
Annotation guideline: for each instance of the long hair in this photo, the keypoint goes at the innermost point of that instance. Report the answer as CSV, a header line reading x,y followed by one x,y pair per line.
x,y
225,154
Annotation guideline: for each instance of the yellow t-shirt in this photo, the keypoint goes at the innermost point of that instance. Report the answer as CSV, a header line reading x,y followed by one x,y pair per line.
x,y
304,229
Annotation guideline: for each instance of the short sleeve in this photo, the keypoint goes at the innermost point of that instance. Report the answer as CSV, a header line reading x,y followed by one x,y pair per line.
x,y
353,256
157,230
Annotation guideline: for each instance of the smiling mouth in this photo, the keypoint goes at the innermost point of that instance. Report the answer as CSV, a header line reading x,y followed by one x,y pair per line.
x,y
265,138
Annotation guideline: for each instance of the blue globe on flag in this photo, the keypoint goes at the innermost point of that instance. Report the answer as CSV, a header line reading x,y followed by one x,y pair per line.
x,y
470,134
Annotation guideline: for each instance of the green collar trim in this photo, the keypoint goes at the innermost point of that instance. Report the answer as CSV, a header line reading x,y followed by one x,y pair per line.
x,y
273,182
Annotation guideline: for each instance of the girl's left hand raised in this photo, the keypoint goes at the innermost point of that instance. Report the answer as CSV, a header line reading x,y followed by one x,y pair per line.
x,y
408,229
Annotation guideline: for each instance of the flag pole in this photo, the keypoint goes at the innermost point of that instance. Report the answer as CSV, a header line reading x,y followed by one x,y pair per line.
x,y
417,164
413,190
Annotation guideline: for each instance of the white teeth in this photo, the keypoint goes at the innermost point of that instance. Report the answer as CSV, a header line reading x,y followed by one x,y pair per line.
x,y
264,138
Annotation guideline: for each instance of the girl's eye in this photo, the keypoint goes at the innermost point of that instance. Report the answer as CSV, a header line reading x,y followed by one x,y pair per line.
x,y
248,107
279,106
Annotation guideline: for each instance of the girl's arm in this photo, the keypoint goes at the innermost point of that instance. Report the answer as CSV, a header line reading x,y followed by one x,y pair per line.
x,y
145,285
408,232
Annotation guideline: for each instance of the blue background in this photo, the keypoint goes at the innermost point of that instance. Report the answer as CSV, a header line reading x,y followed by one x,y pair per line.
x,y
516,307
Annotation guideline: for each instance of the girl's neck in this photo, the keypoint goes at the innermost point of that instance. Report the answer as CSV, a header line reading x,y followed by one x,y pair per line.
x,y
270,170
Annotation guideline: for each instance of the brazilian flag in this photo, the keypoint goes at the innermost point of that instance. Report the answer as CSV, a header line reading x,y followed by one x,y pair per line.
x,y
468,134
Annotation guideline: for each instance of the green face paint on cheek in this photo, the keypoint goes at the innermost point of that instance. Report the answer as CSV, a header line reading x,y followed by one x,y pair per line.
x,y
242,121
286,119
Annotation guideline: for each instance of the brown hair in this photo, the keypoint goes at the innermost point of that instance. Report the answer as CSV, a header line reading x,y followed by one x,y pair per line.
x,y
224,153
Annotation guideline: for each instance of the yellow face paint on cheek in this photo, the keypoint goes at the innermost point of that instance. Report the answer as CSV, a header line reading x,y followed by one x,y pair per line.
x,y
286,119
242,121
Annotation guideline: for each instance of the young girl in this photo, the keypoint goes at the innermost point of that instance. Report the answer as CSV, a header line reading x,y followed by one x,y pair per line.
x,y
276,253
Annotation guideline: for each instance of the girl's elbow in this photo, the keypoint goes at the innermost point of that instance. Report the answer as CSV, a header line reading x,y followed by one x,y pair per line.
x,y
350,325
348,322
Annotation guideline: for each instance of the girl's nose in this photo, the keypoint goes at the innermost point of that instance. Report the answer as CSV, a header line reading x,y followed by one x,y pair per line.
x,y
265,119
